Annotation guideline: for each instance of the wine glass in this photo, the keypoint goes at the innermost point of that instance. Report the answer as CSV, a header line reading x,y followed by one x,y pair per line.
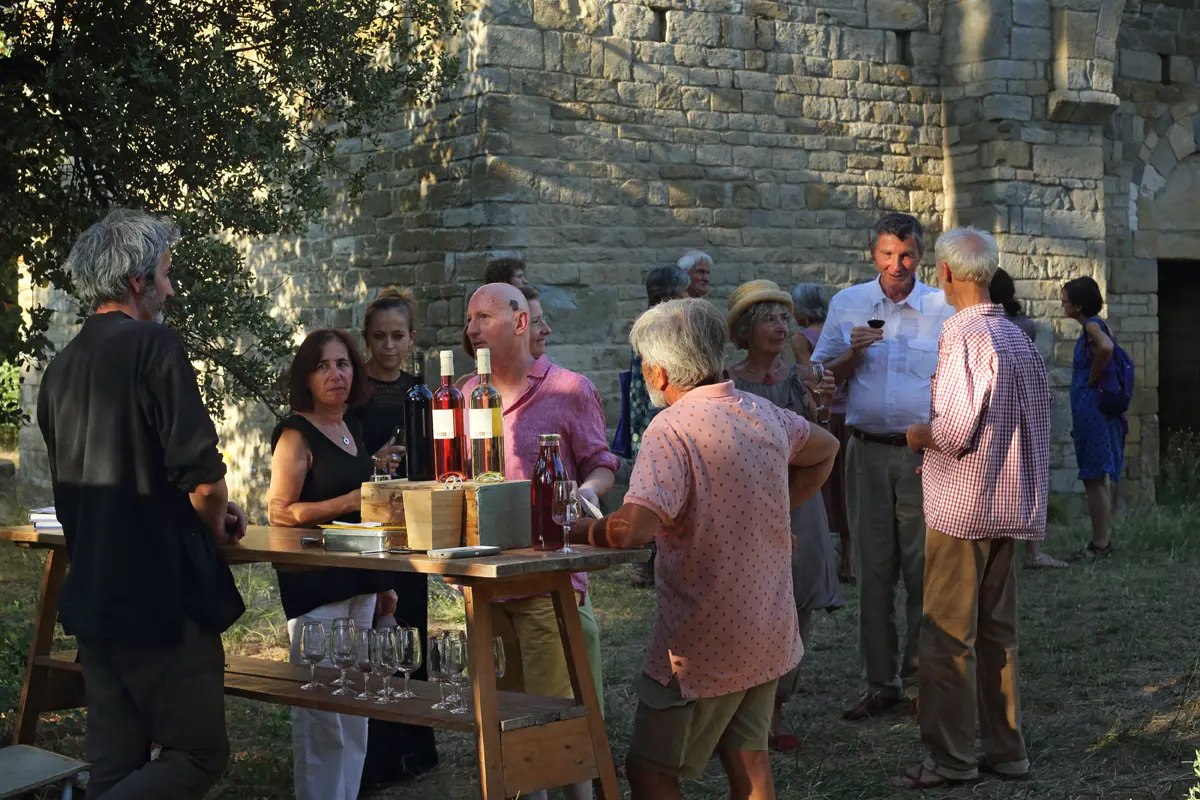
x,y
875,318
399,439
816,371
456,665
437,670
388,660
312,650
340,622
408,647
366,643
458,638
343,655
566,509
498,655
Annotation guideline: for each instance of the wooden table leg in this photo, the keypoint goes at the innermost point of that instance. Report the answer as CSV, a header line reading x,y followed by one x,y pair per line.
x,y
483,673
567,613
36,677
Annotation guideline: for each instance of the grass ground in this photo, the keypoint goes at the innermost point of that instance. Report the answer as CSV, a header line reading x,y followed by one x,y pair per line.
x,y
1110,681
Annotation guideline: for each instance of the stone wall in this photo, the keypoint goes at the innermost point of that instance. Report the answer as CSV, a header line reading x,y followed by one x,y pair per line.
x,y
598,139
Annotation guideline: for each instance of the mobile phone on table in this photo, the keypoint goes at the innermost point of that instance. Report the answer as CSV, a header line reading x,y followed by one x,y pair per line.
x,y
465,552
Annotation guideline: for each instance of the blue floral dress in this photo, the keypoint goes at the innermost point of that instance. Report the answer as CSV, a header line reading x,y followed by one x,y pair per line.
x,y
1099,439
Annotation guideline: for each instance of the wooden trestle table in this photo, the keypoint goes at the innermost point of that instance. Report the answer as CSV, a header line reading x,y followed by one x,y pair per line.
x,y
525,742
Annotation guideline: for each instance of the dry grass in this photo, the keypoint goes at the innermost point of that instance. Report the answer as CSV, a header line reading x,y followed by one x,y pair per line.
x,y
1110,682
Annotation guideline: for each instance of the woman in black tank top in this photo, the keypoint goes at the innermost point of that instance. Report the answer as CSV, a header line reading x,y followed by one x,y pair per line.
x,y
318,465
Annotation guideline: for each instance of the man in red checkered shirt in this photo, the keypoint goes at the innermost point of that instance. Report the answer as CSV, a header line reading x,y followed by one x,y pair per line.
x,y
985,477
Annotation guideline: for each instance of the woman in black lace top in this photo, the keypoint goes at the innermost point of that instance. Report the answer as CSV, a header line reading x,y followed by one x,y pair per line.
x,y
395,751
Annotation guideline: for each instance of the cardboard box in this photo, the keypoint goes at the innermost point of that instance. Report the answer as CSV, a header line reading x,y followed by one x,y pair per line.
x,y
497,514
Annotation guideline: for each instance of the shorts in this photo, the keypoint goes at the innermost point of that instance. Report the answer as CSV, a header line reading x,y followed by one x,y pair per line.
x,y
677,736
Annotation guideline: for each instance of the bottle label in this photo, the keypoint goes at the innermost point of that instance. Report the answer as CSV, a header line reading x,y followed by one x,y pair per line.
x,y
443,423
481,423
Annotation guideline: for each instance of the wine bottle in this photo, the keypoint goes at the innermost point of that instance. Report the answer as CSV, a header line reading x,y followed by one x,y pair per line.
x,y
485,410
545,533
448,431
420,424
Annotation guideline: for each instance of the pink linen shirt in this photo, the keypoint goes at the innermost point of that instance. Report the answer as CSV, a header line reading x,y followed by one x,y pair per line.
x,y
990,415
555,401
714,468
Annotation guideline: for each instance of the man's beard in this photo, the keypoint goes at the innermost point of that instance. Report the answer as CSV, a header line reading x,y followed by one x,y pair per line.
x,y
657,399
152,304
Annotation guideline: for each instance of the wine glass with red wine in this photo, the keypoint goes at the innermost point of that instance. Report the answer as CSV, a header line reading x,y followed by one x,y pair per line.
x,y
875,319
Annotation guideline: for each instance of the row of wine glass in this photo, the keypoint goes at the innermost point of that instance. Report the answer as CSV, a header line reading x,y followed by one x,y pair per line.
x,y
387,651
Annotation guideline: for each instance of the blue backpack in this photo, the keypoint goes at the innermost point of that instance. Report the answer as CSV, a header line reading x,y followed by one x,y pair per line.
x,y
1114,392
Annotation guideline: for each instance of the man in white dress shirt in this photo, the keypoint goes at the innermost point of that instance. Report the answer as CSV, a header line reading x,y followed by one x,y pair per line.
x,y
887,368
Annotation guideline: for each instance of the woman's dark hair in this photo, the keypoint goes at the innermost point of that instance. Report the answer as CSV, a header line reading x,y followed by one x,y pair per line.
x,y
501,270
305,363
1085,294
392,298
1004,291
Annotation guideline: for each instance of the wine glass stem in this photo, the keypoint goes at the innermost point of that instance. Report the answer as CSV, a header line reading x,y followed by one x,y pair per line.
x,y
312,672
345,683
406,684
566,535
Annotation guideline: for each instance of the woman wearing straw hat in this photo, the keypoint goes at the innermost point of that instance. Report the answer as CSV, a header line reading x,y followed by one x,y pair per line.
x,y
758,320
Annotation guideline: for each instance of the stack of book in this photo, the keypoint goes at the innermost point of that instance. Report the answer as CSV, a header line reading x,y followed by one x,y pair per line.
x,y
44,519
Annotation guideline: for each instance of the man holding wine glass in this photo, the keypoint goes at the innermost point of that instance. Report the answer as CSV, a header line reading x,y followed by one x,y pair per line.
x,y
881,339
549,413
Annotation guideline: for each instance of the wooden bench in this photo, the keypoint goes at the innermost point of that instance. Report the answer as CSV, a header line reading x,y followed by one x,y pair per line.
x,y
25,769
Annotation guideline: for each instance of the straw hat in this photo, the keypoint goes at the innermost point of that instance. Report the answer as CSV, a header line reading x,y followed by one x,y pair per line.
x,y
753,292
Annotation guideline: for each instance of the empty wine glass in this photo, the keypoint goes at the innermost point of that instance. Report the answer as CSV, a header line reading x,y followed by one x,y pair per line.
x,y
312,650
498,655
343,655
340,622
399,439
388,659
456,666
366,643
437,669
460,639
817,372
566,509
408,648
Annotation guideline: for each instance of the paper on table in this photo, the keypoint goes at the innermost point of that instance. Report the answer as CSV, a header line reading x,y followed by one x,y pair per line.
x,y
338,523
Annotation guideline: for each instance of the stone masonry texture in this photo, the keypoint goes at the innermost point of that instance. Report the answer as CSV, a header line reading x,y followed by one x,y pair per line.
x,y
596,140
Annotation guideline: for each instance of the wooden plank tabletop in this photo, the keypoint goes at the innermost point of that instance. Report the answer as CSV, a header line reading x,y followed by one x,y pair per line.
x,y
282,546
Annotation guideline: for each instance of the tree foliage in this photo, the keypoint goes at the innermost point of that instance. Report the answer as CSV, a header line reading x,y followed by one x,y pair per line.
x,y
225,115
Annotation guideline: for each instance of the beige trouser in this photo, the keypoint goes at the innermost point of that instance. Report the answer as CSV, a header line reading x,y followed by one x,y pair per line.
x,y
887,521
969,657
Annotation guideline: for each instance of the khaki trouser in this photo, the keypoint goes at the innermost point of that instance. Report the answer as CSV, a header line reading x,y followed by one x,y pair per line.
x,y
887,522
969,657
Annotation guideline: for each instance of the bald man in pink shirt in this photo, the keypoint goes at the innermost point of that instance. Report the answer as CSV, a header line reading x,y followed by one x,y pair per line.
x,y
718,472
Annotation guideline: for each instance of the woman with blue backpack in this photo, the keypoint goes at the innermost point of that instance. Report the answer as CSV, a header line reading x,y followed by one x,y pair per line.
x,y
1101,388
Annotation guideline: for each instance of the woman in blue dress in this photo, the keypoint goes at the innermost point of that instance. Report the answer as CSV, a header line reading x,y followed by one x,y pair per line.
x,y
1099,438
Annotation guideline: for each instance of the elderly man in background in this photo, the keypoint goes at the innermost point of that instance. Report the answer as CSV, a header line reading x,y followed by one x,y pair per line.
x,y
139,487
887,364
541,397
714,463
698,265
986,475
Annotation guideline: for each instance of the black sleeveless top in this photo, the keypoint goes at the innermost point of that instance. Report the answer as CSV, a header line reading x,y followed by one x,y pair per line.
x,y
384,411
333,473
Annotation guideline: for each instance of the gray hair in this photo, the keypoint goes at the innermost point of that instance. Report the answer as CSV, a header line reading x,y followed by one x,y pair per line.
x,y
665,283
971,254
693,257
811,300
684,337
125,244
743,329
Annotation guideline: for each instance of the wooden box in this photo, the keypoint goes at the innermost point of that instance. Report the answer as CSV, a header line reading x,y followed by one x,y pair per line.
x,y
433,519
496,514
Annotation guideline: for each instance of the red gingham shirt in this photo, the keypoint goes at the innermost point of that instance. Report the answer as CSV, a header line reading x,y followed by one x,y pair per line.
x,y
990,414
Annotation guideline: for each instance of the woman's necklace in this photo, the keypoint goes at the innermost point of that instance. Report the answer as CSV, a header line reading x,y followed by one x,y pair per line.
x,y
341,430
768,376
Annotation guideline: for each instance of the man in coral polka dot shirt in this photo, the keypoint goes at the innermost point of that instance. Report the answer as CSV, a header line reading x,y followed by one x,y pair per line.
x,y
716,477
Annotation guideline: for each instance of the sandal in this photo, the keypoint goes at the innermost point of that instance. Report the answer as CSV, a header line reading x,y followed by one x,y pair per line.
x,y
1093,553
784,743
919,777
1045,561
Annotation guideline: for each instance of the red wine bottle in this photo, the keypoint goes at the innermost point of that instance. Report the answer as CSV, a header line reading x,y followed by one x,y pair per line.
x,y
419,440
545,533
448,432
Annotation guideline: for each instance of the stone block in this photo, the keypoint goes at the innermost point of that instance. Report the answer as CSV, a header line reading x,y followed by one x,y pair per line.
x,y
1004,154
583,16
577,54
1182,140
726,100
1061,161
694,27
1139,66
1032,13
861,45
738,32
808,40
896,15
764,34
1007,107
1182,70
618,58
507,46
634,22
1031,44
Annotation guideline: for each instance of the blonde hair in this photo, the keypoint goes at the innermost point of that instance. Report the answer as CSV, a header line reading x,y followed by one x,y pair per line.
x,y
393,298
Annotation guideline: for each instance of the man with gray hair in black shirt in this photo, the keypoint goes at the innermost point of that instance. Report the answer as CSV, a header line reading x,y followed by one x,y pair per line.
x,y
139,487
